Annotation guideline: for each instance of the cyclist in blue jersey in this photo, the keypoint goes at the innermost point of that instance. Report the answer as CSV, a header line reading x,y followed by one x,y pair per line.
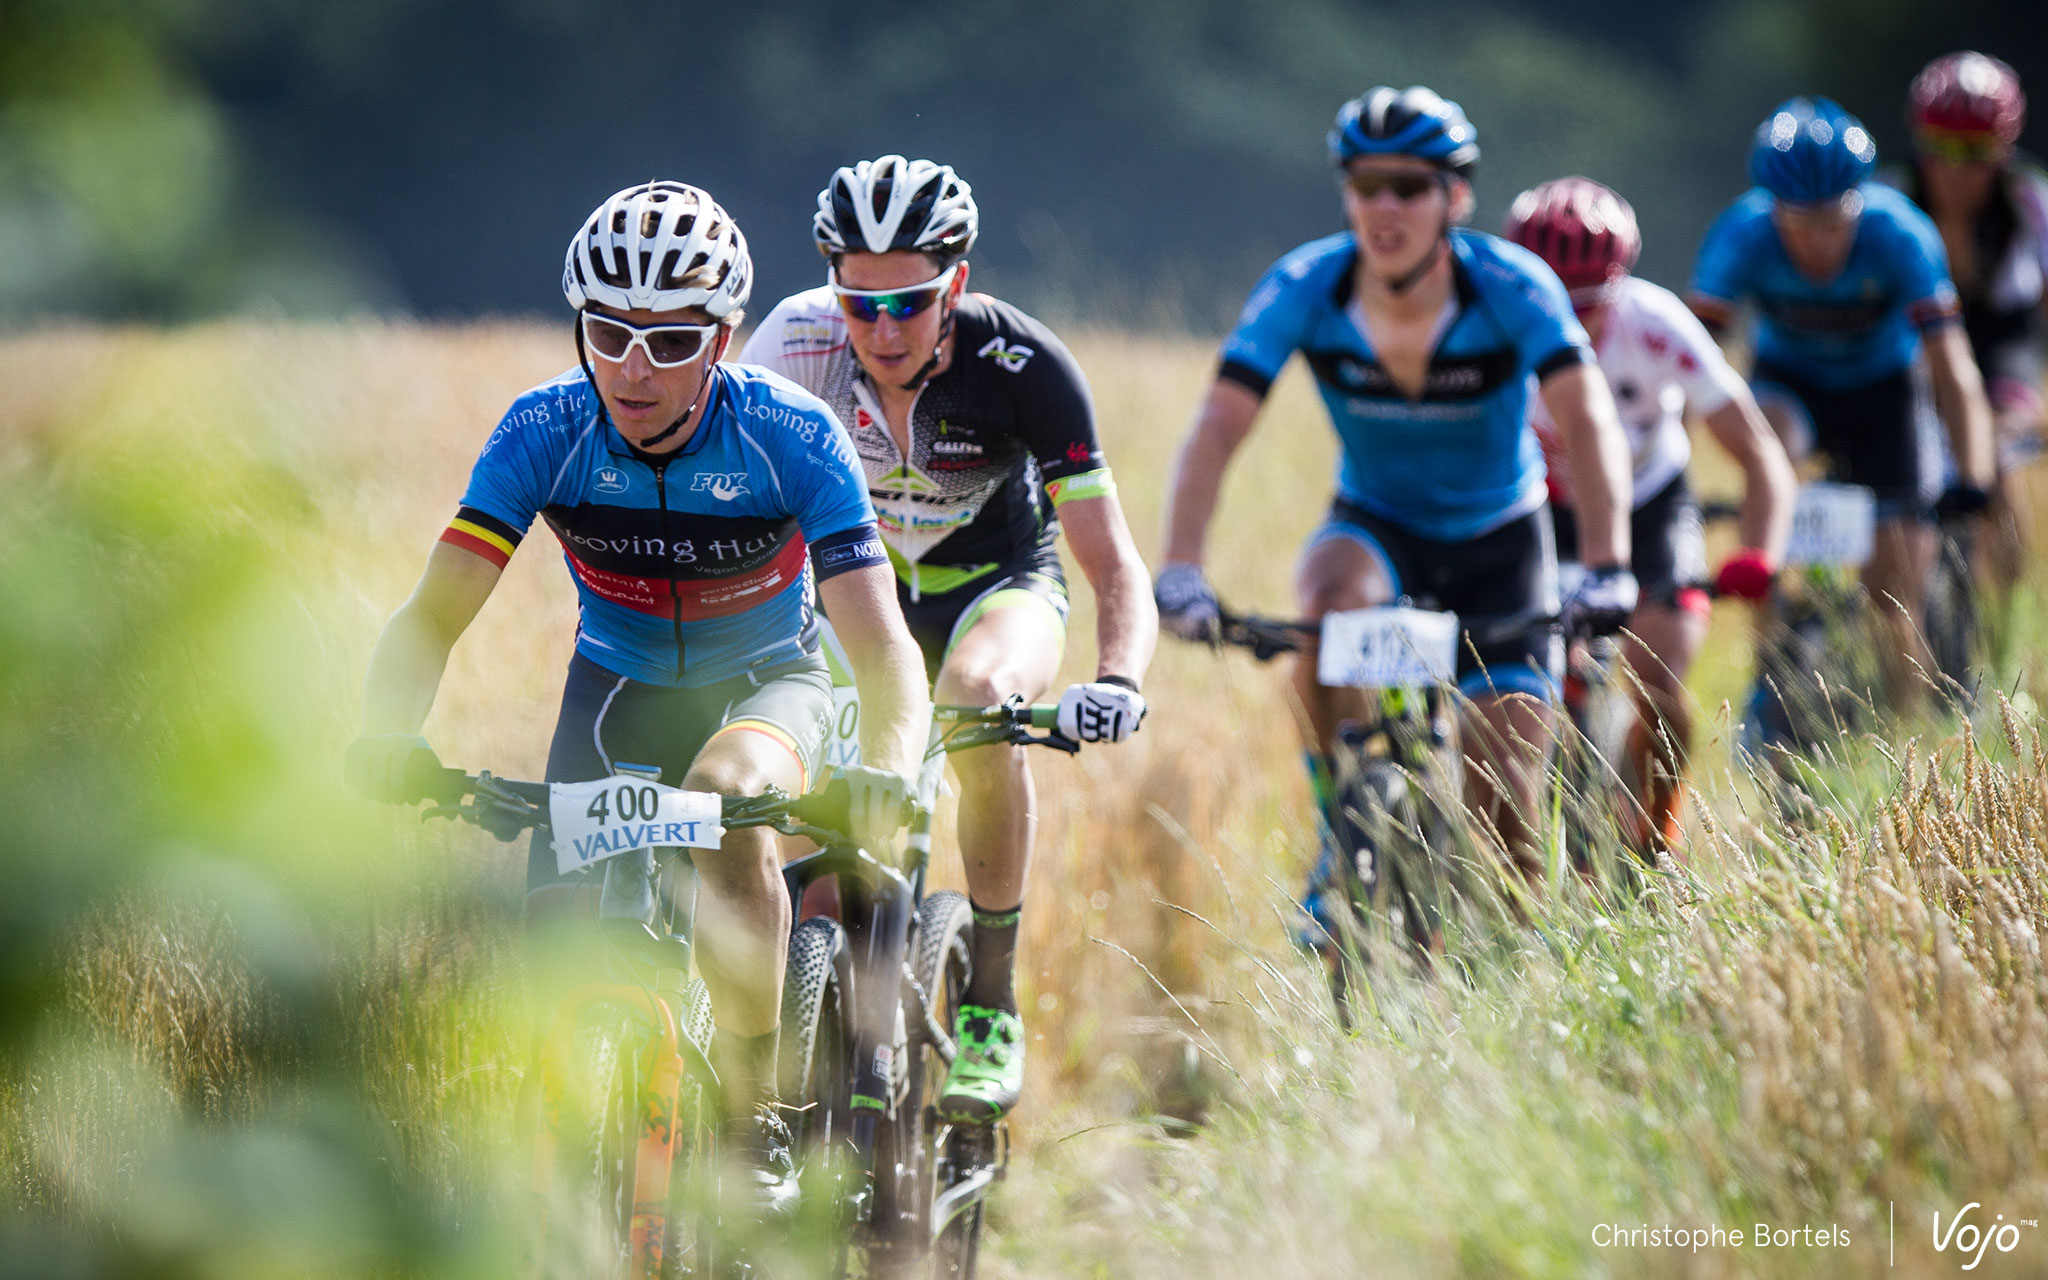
x,y
698,506
1851,286
1425,340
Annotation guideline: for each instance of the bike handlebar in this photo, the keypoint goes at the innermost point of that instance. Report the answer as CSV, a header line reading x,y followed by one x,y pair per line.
x,y
505,807
1010,722
1268,638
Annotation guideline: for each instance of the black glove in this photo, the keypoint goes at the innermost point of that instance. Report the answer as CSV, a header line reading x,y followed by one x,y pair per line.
x,y
1603,602
1961,500
379,766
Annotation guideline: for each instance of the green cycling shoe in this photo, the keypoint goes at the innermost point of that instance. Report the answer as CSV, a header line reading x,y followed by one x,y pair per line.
x,y
988,1070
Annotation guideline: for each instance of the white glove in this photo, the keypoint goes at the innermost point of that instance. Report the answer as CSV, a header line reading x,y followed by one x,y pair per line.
x,y
1187,604
1100,712
876,801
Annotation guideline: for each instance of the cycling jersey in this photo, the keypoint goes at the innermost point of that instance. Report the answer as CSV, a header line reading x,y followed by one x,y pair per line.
x,y
1460,459
691,567
2002,298
1661,364
1861,327
998,441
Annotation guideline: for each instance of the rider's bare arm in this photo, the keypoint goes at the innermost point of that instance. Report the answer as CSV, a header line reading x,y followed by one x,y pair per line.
x,y
1583,409
895,709
1126,621
1225,420
1959,399
406,667
1769,483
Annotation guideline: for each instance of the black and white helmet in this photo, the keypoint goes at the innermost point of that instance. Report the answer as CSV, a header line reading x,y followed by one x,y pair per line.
x,y
660,246
893,203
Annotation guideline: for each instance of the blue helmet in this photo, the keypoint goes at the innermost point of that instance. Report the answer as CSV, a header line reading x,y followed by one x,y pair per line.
x,y
1811,150
1414,121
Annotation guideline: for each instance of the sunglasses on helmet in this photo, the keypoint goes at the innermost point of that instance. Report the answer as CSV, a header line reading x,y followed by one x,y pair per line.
x,y
868,305
1406,186
665,345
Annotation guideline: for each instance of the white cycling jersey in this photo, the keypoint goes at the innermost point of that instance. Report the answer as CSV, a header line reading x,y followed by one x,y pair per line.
x,y
1661,364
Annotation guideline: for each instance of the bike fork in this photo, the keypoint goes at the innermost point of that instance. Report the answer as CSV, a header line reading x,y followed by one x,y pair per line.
x,y
655,1113
881,931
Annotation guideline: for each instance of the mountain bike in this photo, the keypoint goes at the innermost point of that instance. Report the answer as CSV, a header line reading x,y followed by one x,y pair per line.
x,y
868,1010
628,1124
1818,669
1407,860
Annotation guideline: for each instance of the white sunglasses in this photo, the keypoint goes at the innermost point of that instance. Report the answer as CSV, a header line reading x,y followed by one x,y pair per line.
x,y
665,345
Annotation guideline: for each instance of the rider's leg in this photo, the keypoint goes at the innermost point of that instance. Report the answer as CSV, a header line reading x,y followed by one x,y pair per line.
x,y
1008,644
1507,739
1341,568
742,909
1659,649
2021,418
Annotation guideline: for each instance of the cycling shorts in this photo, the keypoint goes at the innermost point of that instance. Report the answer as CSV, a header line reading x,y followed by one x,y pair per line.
x,y
1033,579
608,720
1508,571
1668,543
1872,434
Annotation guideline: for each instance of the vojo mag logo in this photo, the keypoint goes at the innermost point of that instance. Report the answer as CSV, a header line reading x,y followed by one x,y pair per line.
x,y
1971,1240
610,480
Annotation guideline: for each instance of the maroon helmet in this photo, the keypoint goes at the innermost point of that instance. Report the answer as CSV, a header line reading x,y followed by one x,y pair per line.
x,y
1586,232
1965,95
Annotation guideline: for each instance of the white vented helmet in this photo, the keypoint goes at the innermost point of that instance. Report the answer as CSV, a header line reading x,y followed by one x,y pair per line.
x,y
892,203
660,246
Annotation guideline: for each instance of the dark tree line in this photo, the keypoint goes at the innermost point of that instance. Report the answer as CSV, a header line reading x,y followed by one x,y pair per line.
x,y
1137,161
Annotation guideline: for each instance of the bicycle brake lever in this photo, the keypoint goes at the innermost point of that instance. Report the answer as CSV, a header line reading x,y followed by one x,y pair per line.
x,y
1058,742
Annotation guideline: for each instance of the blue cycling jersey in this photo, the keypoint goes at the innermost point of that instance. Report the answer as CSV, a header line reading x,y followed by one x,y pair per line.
x,y
1861,327
694,566
1460,459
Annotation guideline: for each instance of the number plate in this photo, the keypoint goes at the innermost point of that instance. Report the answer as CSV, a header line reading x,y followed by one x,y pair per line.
x,y
842,745
1833,524
1388,648
598,820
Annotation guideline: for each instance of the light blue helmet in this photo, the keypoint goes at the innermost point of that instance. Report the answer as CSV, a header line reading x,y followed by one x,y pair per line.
x,y
1415,121
1811,150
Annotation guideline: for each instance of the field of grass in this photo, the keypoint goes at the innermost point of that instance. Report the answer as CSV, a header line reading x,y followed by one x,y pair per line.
x,y
250,1027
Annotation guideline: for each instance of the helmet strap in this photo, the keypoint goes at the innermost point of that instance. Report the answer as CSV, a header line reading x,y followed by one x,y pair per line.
x,y
924,371
645,445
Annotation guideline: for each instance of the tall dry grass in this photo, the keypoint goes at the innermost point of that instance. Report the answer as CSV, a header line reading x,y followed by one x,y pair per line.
x,y
1841,1017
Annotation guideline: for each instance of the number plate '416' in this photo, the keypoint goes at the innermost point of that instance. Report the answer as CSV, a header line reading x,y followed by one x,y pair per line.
x,y
598,820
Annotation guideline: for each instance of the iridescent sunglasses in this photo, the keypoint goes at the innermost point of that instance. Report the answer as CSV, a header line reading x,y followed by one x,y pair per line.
x,y
868,305
665,345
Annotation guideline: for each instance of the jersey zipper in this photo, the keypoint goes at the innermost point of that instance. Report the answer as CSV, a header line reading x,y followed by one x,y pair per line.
x,y
675,595
902,463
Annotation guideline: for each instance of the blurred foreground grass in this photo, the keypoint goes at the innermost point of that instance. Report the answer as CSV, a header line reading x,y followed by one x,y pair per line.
x,y
249,1027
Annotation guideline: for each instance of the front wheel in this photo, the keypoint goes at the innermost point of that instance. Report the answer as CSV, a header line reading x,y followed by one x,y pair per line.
x,y
934,1227
815,1069
1385,862
1951,620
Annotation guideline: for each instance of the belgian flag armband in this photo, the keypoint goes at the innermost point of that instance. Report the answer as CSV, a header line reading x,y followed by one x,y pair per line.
x,y
487,536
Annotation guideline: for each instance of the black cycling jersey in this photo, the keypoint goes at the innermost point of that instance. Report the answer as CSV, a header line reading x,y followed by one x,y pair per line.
x,y
998,440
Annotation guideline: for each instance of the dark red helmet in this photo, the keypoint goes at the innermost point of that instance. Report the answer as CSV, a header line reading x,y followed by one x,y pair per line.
x,y
1586,232
1968,93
